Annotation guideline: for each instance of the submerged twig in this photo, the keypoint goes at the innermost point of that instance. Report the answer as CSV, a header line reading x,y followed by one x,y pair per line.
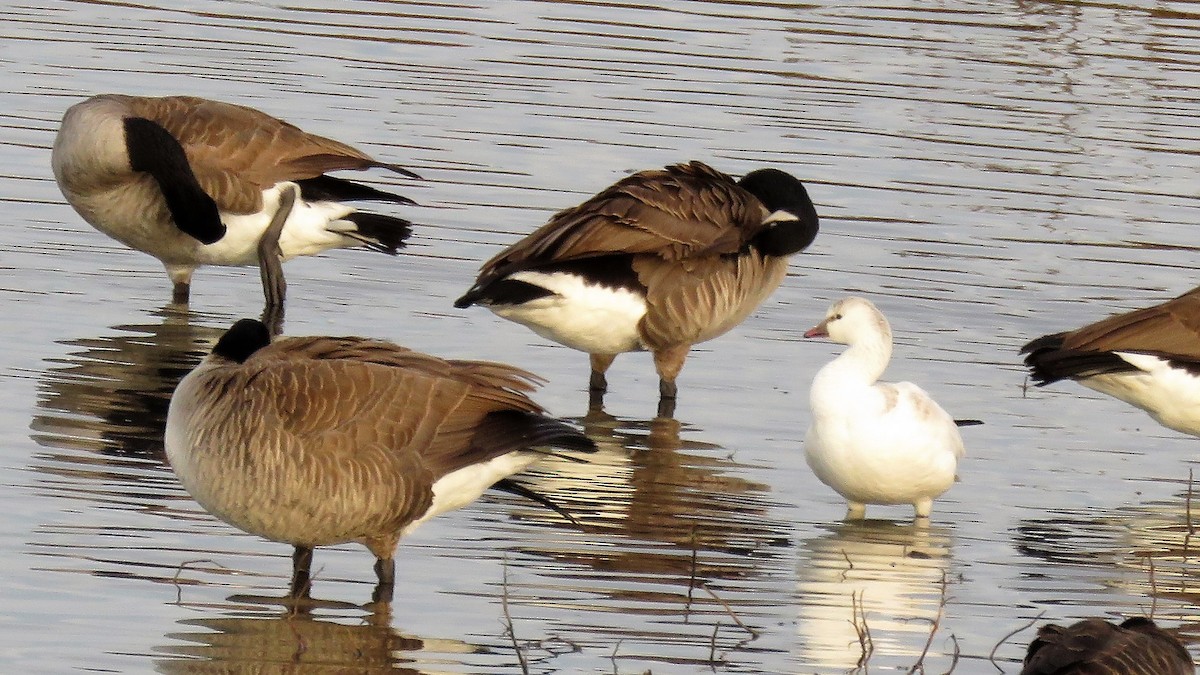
x,y
509,624
957,653
729,610
712,644
179,570
992,654
687,609
858,615
1153,587
937,621
1187,535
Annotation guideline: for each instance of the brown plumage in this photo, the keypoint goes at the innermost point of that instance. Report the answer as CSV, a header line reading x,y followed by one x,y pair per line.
x,y
1149,358
1097,647
194,182
321,440
661,260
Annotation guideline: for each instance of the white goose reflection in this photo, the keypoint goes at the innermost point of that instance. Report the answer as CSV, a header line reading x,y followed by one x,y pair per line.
x,y
879,576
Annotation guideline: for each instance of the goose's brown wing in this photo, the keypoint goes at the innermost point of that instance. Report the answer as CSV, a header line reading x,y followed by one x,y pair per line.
x,y
682,211
236,151
344,394
1172,328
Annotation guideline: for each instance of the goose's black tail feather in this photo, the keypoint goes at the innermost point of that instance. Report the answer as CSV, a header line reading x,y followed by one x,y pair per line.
x,y
329,188
378,232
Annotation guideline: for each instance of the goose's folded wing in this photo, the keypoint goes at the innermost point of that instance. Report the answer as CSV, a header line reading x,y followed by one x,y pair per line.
x,y
683,211
1170,329
236,151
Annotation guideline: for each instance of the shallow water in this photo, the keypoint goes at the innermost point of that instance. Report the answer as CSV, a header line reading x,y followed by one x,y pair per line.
x,y
986,172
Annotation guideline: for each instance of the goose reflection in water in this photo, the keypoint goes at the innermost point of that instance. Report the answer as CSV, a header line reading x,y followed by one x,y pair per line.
x,y
1148,551
669,495
101,412
304,643
111,396
886,576
670,532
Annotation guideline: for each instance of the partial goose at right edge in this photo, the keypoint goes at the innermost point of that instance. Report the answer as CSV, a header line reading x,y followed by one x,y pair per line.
x,y
1148,358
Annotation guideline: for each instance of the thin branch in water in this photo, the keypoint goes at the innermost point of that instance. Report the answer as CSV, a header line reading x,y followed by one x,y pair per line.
x,y
1153,587
859,620
729,610
687,608
1190,528
179,571
1187,536
992,654
508,624
712,644
937,621
188,563
957,653
613,657
849,565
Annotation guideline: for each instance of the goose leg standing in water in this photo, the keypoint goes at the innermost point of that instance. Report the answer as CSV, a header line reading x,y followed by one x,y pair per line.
x,y
875,442
659,261
270,264
195,182
315,441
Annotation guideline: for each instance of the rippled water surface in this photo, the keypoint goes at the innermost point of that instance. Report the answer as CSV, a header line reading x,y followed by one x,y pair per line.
x,y
986,172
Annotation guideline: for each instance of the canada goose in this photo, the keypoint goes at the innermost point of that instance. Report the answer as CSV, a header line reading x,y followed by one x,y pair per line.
x,y
875,442
661,260
1097,647
195,182
1149,358
322,440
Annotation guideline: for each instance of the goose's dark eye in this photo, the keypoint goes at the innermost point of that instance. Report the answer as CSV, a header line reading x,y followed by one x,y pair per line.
x,y
836,317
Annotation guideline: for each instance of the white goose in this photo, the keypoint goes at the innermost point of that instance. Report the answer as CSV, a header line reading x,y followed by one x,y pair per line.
x,y
875,442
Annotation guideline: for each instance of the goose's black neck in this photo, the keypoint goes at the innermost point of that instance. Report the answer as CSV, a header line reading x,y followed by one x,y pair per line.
x,y
781,192
242,339
154,150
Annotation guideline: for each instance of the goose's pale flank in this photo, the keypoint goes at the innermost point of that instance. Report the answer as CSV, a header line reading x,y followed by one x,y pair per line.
x,y
659,261
195,182
875,442
1097,647
321,440
1149,358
